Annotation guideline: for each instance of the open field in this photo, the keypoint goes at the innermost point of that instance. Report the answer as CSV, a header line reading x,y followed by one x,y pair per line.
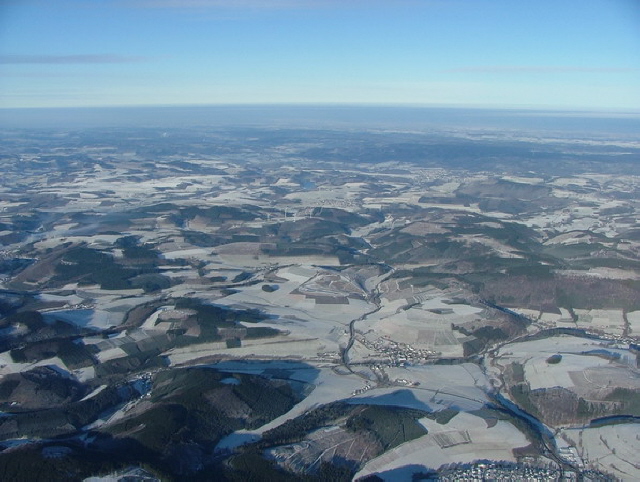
x,y
463,439
403,301
612,448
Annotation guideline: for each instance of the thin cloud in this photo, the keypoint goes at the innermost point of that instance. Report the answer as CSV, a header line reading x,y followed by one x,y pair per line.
x,y
267,4
70,59
226,4
533,69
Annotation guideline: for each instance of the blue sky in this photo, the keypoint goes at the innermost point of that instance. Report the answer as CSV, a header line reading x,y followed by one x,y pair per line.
x,y
489,53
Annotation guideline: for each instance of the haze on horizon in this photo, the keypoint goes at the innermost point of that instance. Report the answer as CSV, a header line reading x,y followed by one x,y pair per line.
x,y
462,53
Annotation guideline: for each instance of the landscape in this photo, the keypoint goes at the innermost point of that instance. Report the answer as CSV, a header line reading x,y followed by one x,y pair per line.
x,y
329,294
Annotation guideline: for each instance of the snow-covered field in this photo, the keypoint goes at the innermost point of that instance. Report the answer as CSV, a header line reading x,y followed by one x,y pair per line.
x,y
613,448
99,319
586,365
464,439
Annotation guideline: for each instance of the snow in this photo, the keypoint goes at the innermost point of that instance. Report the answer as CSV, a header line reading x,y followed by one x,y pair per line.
x,y
99,319
94,393
613,448
7,365
493,443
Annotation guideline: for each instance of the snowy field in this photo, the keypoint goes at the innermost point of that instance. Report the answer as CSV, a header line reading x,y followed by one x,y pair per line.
x,y
464,439
613,448
584,365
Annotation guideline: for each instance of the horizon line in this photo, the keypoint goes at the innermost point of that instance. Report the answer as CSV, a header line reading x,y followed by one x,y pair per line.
x,y
501,107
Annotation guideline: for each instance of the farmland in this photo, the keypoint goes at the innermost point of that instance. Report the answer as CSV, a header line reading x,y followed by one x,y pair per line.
x,y
292,302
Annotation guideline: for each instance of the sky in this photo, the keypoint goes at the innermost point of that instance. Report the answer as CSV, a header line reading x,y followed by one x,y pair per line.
x,y
540,54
